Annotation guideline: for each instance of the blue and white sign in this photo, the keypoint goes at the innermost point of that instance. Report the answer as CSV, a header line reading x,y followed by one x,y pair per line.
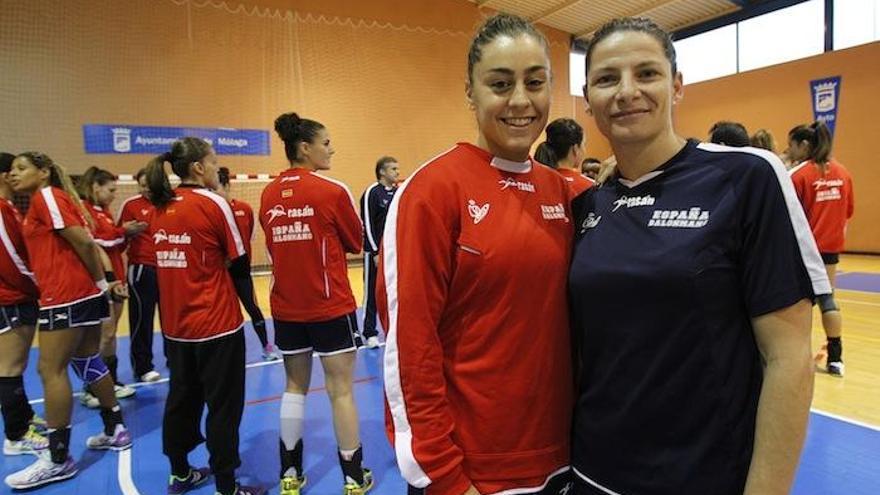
x,y
114,139
826,94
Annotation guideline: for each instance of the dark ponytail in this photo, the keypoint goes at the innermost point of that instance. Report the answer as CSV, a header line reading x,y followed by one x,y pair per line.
x,y
294,130
58,177
562,135
184,152
93,175
818,136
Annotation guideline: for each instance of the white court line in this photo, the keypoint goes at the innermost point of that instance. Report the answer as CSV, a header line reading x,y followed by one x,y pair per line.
x,y
845,419
126,483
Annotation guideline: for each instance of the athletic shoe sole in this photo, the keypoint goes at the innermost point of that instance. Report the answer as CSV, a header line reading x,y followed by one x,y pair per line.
x,y
60,477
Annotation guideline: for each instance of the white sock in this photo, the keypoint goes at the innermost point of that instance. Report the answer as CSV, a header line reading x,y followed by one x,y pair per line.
x,y
293,408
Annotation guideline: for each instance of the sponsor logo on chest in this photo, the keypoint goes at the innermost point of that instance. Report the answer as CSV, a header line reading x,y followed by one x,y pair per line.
x,y
511,183
162,236
692,218
298,231
828,189
631,202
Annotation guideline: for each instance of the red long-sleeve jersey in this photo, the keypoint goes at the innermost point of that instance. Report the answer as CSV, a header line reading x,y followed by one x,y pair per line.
x,y
110,237
310,222
16,279
828,201
244,218
141,249
195,235
577,183
472,292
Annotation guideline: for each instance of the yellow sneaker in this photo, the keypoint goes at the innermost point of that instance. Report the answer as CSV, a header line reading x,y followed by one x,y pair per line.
x,y
292,486
352,488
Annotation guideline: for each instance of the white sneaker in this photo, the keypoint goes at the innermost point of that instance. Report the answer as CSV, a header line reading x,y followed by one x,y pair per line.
x,y
835,368
123,391
121,440
372,342
89,400
31,443
151,376
42,472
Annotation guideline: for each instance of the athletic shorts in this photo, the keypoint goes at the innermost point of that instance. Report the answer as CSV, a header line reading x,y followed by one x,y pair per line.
x,y
830,258
91,311
324,338
16,315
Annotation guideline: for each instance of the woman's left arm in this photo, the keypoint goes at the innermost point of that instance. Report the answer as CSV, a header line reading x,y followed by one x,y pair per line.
x,y
783,337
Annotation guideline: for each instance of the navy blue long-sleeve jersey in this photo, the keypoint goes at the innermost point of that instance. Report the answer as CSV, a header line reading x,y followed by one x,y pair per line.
x,y
374,209
667,274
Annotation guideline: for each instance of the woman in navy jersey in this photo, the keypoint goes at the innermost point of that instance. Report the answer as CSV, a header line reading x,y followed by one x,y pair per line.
x,y
690,292
310,223
477,368
73,303
18,319
97,189
825,190
195,237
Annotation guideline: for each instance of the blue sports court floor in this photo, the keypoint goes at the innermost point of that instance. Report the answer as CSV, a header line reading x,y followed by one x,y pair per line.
x,y
841,456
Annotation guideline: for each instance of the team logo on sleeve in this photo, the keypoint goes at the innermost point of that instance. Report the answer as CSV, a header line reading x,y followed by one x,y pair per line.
x,y
693,218
478,213
554,212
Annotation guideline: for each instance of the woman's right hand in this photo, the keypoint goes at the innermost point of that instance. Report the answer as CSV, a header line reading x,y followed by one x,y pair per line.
x,y
134,227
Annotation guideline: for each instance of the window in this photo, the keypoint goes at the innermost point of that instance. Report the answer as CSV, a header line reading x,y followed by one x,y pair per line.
x,y
856,22
577,77
783,35
708,55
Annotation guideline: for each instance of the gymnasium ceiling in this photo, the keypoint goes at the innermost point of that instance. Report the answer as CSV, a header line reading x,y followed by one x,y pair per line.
x,y
582,17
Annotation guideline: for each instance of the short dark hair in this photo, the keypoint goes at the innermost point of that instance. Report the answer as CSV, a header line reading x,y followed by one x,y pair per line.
x,y
729,133
494,27
382,162
223,176
294,130
6,160
639,25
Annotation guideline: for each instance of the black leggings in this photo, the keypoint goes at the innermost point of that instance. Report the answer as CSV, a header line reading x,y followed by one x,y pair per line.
x,y
143,294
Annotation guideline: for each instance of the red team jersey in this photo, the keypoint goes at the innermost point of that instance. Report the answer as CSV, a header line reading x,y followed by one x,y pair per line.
x,y
61,275
310,222
577,183
110,237
16,280
827,200
140,247
472,292
244,218
194,235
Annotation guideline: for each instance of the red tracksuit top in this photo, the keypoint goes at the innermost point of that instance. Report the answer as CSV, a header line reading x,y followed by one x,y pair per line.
x,y
828,201
244,219
310,222
61,275
140,247
16,279
577,183
472,290
110,237
195,234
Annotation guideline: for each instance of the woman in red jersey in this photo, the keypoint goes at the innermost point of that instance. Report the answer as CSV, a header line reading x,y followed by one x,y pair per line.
x,y
478,373
18,318
244,218
825,190
195,235
310,223
97,188
564,151
73,303
141,278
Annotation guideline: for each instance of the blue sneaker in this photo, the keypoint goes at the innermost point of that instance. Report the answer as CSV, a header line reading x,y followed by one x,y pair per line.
x,y
179,486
